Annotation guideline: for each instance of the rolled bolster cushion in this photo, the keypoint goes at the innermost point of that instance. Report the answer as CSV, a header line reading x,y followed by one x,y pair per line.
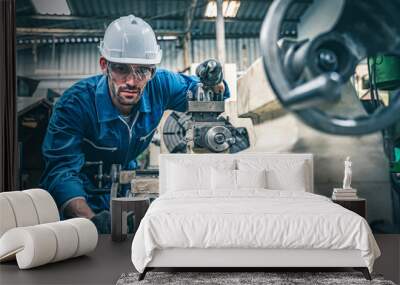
x,y
33,246
23,208
7,217
46,208
66,238
26,208
87,235
40,244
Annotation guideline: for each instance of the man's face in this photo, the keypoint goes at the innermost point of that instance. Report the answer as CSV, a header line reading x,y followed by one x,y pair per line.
x,y
127,82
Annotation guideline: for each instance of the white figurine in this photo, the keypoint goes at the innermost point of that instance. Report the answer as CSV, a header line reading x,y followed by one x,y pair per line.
x,y
347,174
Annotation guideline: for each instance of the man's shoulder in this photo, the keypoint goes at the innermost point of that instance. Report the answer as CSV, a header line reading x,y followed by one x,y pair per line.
x,y
166,78
82,91
162,73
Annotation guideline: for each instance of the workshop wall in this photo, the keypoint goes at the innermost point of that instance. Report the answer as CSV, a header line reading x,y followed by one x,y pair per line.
x,y
58,66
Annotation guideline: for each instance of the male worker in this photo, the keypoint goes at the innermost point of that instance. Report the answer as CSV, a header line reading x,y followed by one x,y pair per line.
x,y
110,118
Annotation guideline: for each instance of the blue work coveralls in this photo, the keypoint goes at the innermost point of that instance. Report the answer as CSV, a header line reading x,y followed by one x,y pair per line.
x,y
85,126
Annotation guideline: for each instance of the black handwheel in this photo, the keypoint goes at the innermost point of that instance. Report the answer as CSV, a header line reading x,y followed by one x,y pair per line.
x,y
310,73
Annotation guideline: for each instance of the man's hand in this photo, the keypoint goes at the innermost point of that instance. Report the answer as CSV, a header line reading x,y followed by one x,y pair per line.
x,y
78,208
219,88
102,222
210,73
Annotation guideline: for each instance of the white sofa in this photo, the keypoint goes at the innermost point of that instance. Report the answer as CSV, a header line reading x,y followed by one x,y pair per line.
x,y
211,175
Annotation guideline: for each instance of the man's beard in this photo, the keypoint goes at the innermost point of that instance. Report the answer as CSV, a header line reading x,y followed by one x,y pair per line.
x,y
116,92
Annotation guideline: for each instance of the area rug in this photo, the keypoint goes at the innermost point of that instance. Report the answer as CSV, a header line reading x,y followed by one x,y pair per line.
x,y
243,278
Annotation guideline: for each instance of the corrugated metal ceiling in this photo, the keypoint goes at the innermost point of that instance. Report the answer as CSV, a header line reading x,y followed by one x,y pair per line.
x,y
164,16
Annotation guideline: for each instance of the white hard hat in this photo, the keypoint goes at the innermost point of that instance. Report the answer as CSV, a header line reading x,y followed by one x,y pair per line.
x,y
130,40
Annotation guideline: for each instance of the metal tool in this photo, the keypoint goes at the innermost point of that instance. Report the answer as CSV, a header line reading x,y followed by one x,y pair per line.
x,y
202,128
116,177
308,74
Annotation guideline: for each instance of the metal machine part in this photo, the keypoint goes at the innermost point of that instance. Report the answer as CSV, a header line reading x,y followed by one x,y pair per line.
x,y
308,75
218,138
99,176
116,178
181,134
141,181
142,186
145,185
174,132
202,128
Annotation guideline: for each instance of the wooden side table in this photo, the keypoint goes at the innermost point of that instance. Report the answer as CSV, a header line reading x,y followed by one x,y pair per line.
x,y
121,208
358,206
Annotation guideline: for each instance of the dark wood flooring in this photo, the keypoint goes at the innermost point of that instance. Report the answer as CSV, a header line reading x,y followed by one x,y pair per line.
x,y
110,260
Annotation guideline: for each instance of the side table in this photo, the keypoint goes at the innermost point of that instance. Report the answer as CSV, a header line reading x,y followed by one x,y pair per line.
x,y
121,209
358,205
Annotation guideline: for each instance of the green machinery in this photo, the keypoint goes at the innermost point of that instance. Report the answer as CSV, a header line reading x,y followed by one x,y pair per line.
x,y
387,71
384,73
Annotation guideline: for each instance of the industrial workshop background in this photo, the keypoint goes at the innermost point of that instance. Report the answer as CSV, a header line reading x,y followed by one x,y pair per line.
x,y
57,45
59,50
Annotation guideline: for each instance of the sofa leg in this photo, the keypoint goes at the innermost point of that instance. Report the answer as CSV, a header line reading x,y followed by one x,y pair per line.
x,y
364,271
143,274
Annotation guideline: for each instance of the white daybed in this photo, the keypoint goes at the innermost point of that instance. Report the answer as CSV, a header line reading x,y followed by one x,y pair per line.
x,y
214,211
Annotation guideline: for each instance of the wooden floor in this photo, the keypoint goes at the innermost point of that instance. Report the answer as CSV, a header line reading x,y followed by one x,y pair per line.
x,y
102,266
106,264
389,262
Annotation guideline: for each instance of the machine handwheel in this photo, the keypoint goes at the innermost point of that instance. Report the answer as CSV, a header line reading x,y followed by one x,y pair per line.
x,y
308,74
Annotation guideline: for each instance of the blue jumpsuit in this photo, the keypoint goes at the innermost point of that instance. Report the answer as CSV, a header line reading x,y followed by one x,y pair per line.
x,y
85,126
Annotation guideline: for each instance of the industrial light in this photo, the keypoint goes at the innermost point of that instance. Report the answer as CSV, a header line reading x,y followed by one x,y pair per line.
x,y
52,7
229,8
167,38
232,9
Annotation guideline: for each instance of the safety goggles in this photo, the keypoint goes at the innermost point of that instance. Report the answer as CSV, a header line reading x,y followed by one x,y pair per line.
x,y
123,71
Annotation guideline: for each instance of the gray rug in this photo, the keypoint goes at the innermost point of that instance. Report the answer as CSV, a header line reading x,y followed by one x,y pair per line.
x,y
242,278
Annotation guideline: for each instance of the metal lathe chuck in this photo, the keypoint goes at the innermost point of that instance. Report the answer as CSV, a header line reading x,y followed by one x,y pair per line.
x,y
174,132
